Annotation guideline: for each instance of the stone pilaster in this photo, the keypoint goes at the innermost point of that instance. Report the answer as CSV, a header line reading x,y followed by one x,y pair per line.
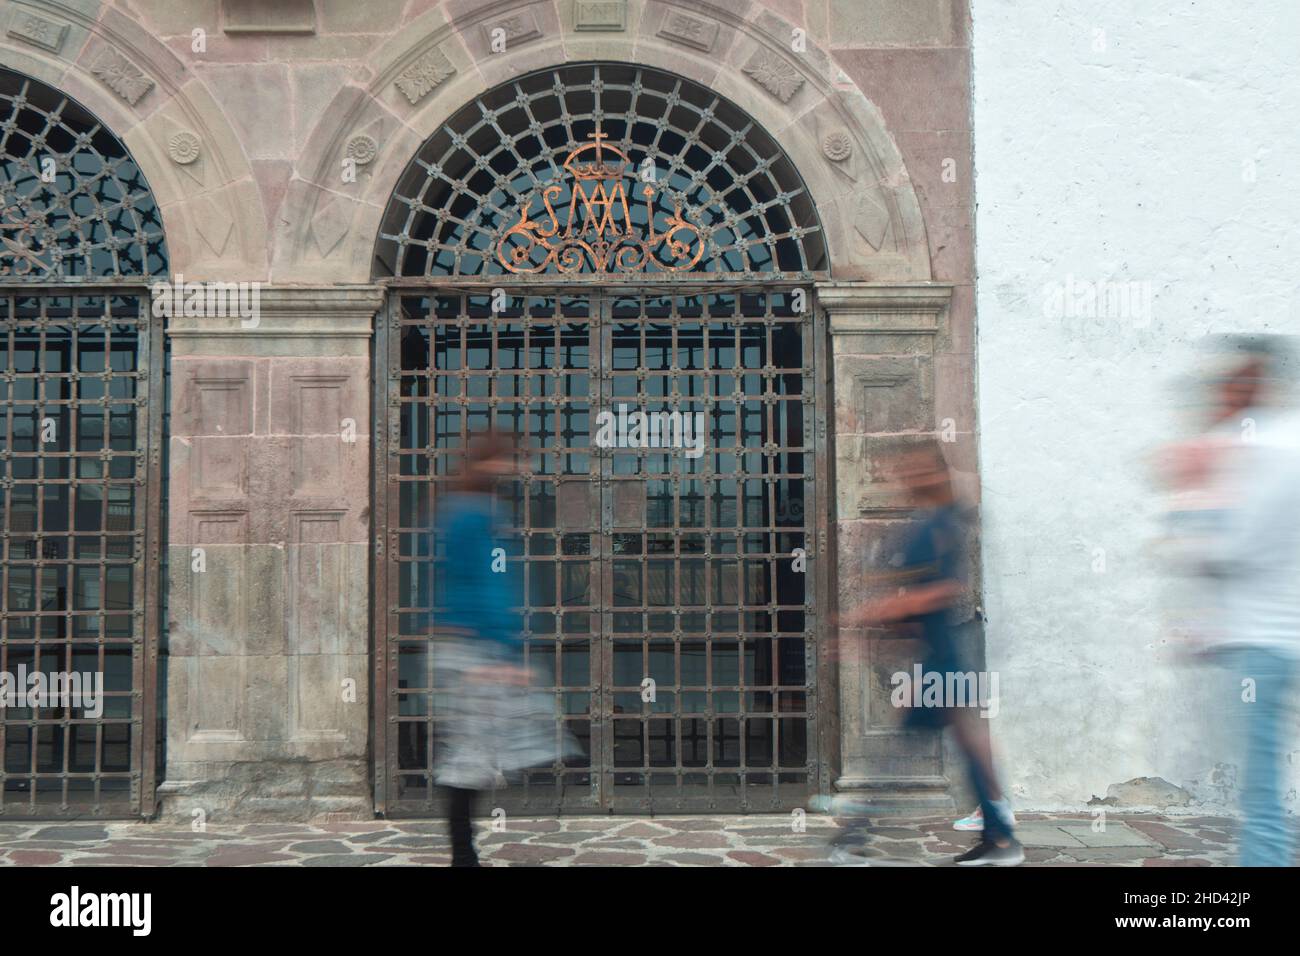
x,y
267,666
884,345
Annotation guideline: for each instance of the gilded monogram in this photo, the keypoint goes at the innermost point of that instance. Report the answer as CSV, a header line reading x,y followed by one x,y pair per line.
x,y
597,231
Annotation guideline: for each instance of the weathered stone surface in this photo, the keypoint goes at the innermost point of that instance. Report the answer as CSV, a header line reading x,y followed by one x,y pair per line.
x,y
318,846
1171,838
608,859
74,833
641,829
346,860
750,858
1046,833
245,856
1112,834
33,857
419,844
692,841
523,853
1144,792
689,859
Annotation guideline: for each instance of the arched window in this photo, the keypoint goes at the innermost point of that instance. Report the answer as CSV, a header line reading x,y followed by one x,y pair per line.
x,y
600,168
75,204
81,372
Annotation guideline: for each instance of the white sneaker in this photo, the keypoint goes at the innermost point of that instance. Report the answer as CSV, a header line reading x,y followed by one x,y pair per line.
x,y
975,821
972,822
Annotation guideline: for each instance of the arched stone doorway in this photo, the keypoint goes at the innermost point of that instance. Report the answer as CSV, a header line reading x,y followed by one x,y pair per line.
x,y
582,243
81,412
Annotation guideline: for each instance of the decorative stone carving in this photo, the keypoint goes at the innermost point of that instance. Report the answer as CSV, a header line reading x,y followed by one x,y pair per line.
x,y
422,76
214,225
775,74
603,15
330,225
692,31
837,146
121,76
519,28
361,149
184,147
871,221
37,30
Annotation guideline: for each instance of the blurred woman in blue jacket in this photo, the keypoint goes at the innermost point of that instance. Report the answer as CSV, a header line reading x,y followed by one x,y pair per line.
x,y
494,724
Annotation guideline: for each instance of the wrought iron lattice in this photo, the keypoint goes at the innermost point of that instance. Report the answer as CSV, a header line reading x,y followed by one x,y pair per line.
x,y
600,168
80,448
78,569
73,203
637,562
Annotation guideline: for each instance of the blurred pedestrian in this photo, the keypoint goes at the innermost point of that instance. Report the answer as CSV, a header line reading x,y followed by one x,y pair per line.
x,y
495,724
1249,561
926,591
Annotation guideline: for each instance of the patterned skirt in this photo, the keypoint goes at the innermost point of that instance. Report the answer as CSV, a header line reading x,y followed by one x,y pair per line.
x,y
489,729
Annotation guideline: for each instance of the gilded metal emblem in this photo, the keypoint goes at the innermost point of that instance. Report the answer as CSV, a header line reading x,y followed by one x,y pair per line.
x,y
598,233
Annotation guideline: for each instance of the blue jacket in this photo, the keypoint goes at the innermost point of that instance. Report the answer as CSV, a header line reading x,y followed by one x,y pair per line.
x,y
474,596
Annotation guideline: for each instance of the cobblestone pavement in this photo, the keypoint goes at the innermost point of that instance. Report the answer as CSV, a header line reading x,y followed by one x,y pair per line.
x,y
764,840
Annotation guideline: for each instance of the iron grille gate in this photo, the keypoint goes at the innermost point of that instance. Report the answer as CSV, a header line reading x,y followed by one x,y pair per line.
x,y
639,563
80,447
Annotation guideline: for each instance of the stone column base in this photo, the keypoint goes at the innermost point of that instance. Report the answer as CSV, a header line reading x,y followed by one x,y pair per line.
x,y
899,796
280,790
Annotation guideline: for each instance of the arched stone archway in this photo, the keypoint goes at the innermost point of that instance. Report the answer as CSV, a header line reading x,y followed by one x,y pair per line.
x,y
832,133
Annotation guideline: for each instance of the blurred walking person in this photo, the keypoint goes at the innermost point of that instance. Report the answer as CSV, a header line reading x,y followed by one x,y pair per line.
x,y
495,724
927,589
1243,545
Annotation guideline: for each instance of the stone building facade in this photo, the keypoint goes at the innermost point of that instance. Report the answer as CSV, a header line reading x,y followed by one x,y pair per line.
x,y
299,147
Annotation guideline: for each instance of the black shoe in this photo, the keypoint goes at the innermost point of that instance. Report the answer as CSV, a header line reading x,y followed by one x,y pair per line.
x,y
988,853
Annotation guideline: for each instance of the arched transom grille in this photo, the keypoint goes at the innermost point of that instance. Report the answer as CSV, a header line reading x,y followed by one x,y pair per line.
x,y
73,203
600,168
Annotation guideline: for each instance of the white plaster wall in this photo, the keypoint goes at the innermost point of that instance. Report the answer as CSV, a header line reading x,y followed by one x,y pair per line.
x,y
1114,145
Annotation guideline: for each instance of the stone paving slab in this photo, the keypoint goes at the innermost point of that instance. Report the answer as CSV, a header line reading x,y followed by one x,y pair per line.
x,y
760,840
1107,833
1047,833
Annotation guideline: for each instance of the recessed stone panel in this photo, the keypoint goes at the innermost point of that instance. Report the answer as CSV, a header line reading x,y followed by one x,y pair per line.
x,y
215,693
317,697
892,395
214,399
318,404
219,467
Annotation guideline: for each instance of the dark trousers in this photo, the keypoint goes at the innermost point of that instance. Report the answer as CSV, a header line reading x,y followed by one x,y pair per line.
x,y
460,810
995,827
